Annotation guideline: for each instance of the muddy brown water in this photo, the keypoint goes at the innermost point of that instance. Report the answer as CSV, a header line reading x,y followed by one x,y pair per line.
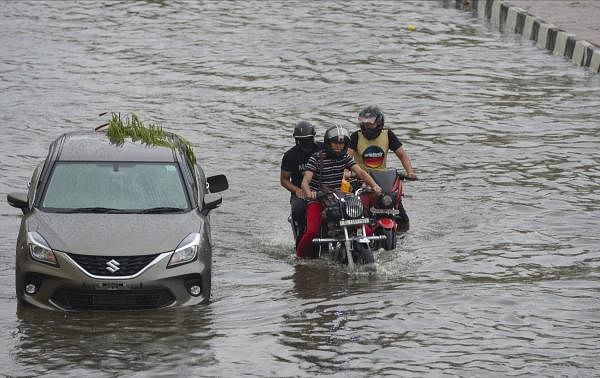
x,y
498,275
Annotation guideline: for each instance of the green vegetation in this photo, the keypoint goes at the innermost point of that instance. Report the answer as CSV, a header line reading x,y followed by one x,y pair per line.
x,y
151,135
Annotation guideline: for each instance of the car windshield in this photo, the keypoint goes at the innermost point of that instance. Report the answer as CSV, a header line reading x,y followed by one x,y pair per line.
x,y
113,187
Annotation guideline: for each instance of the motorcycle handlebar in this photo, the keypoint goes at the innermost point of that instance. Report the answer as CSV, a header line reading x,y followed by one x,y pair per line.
x,y
405,177
401,175
362,190
321,195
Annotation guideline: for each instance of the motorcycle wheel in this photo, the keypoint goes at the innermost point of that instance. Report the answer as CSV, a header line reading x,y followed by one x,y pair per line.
x,y
338,253
364,254
390,239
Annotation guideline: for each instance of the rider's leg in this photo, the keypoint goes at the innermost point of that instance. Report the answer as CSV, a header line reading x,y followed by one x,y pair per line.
x,y
298,215
402,219
313,225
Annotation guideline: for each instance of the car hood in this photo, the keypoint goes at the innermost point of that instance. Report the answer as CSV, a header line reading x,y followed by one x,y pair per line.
x,y
114,234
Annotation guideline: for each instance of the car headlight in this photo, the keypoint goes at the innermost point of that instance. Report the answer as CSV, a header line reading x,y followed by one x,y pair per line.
x,y
39,249
186,251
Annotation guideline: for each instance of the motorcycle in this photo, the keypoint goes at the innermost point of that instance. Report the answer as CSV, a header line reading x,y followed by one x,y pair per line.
x,y
343,236
386,210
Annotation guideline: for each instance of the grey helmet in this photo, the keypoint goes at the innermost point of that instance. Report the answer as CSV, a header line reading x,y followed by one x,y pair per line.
x,y
336,134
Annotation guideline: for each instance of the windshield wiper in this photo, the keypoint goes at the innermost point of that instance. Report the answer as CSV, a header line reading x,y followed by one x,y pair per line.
x,y
163,209
102,210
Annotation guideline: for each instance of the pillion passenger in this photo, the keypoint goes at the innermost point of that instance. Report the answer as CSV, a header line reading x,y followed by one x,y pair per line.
x,y
293,165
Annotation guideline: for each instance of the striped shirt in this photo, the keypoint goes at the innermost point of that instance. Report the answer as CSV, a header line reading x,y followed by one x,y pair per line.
x,y
332,170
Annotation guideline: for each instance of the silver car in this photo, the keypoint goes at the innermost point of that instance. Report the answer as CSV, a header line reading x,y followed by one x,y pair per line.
x,y
115,226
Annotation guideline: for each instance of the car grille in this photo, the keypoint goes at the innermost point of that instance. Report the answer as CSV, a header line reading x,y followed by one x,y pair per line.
x,y
108,300
127,265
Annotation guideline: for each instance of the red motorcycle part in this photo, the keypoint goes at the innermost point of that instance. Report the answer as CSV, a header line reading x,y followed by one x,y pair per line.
x,y
386,223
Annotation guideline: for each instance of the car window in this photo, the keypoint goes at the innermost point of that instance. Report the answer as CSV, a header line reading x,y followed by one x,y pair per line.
x,y
120,186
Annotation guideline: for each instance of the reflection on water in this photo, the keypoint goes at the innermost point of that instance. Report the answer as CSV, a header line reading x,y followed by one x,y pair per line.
x,y
120,343
498,274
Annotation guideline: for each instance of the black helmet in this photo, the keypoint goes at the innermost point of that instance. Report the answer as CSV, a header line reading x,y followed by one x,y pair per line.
x,y
371,115
336,134
304,130
304,133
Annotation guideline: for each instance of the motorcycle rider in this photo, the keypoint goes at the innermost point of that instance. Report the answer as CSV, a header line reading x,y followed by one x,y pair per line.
x,y
324,171
370,146
373,141
292,168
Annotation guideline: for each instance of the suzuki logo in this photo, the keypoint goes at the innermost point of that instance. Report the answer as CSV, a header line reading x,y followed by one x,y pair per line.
x,y
112,266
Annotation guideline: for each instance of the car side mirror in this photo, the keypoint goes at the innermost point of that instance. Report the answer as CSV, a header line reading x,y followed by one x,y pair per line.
x,y
211,206
18,200
217,183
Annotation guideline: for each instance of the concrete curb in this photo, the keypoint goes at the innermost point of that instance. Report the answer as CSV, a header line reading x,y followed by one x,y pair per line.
x,y
510,19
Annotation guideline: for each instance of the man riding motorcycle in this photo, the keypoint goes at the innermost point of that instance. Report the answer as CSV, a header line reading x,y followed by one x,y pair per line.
x,y
370,145
324,171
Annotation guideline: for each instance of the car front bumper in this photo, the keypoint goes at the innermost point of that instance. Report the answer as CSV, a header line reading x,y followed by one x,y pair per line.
x,y
70,287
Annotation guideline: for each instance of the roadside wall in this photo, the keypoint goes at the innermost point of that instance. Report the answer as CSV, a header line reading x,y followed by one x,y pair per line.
x,y
511,19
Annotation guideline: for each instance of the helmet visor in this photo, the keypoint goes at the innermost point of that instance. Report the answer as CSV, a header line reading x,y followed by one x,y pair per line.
x,y
366,121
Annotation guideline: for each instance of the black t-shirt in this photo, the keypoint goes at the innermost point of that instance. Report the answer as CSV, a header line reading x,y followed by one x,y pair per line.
x,y
294,161
394,142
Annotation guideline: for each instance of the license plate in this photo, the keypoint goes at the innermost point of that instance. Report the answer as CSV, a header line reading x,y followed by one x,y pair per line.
x,y
351,222
111,286
385,211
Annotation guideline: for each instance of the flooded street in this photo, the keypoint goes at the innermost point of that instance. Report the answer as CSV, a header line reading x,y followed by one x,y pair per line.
x,y
499,274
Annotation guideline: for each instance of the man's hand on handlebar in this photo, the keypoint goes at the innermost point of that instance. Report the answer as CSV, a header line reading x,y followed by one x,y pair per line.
x,y
411,176
311,195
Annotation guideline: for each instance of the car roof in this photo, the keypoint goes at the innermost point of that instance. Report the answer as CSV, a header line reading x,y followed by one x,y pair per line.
x,y
96,146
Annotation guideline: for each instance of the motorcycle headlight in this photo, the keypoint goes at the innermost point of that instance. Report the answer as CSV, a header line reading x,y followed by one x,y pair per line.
x,y
353,207
186,251
386,201
39,249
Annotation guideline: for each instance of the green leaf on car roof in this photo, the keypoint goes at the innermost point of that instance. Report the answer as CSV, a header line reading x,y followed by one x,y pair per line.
x,y
152,134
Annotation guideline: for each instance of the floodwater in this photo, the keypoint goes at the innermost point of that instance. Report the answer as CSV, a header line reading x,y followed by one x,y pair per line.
x,y
499,274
